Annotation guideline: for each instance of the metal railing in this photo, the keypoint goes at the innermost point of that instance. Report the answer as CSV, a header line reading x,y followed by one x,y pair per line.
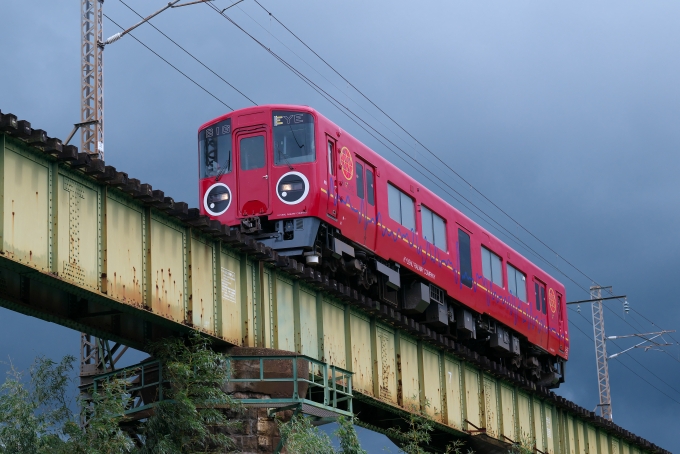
x,y
314,386
144,385
323,386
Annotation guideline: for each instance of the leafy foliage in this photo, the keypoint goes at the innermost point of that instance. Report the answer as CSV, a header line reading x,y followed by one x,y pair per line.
x,y
419,433
349,442
31,417
192,420
525,446
301,437
104,411
37,418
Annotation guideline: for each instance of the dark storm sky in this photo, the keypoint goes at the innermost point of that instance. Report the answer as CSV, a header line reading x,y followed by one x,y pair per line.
x,y
565,114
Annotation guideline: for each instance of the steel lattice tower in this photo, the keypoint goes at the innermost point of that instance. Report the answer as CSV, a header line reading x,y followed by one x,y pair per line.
x,y
601,353
92,78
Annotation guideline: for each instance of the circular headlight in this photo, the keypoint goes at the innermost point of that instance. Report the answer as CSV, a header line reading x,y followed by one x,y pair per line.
x,y
217,199
292,188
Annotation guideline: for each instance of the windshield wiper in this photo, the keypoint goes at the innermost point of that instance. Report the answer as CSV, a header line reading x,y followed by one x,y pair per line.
x,y
294,137
278,150
224,169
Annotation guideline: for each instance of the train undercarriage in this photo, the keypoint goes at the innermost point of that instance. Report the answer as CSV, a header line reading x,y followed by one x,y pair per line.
x,y
322,246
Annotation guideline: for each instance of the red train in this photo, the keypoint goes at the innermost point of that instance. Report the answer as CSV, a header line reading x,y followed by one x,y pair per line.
x,y
296,181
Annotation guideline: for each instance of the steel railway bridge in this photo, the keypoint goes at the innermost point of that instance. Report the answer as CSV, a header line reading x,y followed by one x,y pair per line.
x,y
88,247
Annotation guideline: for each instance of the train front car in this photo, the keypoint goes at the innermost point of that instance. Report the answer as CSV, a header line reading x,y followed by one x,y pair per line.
x,y
290,178
257,170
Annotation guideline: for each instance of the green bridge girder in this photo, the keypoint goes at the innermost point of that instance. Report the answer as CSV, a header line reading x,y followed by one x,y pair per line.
x,y
87,247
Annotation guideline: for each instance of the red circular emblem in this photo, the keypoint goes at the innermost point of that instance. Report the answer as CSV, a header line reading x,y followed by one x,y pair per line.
x,y
552,300
346,163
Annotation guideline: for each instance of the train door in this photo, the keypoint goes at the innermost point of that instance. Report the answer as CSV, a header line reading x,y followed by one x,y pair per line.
x,y
560,321
539,290
554,320
253,172
365,184
332,186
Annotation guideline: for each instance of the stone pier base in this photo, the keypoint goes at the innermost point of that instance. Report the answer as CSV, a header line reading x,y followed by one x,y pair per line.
x,y
258,433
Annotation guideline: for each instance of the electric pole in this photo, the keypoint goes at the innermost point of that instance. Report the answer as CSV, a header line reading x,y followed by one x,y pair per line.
x,y
92,78
601,353
97,356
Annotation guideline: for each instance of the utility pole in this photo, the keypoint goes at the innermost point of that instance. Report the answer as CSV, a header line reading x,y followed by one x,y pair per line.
x,y
92,78
97,356
601,352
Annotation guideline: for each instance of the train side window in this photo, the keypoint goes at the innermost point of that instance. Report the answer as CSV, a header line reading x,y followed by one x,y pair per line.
x,y
401,207
360,181
465,258
559,307
370,190
491,267
433,228
539,288
517,283
331,158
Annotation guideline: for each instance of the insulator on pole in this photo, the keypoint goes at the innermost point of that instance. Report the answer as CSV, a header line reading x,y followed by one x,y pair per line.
x,y
626,306
113,38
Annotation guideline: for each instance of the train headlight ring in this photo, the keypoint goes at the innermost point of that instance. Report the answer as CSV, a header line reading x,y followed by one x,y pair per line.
x,y
292,188
217,199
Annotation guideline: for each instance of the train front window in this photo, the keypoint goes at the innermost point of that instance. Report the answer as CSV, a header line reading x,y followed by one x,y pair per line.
x,y
293,138
214,143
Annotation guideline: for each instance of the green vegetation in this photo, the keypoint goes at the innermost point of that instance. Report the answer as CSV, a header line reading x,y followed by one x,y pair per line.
x,y
301,437
419,434
37,418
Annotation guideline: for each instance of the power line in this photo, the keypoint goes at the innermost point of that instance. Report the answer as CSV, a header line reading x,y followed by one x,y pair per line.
x,y
347,111
446,165
422,145
190,54
631,357
337,103
171,65
653,324
319,73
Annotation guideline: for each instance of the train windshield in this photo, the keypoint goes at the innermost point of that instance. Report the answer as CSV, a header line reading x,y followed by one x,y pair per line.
x,y
214,143
293,138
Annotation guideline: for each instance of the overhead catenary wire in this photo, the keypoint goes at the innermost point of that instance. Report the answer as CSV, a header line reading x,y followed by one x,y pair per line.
x,y
333,100
337,103
192,55
631,357
172,66
358,120
437,157
347,111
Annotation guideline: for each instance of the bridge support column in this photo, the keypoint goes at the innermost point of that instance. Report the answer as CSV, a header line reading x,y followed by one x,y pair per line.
x,y
259,433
